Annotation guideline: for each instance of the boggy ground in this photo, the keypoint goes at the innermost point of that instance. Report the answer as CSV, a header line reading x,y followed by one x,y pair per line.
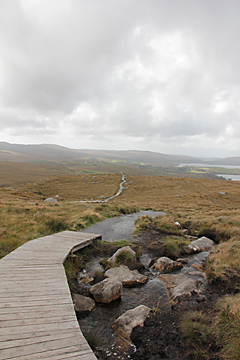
x,y
161,336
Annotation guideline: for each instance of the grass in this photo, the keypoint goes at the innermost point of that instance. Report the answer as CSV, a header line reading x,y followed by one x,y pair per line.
x,y
226,327
197,204
215,333
170,234
23,221
165,224
223,262
196,327
175,246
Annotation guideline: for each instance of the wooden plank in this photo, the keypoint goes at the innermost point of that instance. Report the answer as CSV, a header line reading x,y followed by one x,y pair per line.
x,y
36,335
63,353
43,347
36,311
38,340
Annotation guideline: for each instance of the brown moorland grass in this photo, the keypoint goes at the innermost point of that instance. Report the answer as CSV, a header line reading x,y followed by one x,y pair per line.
x,y
205,207
181,195
15,173
74,187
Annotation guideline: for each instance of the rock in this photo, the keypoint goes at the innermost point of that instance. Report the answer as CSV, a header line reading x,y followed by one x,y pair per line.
x,y
164,264
125,323
125,249
181,287
82,304
51,200
126,276
202,244
85,280
106,290
185,289
182,260
172,280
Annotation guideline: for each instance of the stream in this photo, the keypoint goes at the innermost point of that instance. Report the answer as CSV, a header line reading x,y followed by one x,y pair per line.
x,y
97,326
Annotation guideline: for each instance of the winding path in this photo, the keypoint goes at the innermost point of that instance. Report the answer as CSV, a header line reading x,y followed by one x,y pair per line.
x,y
37,316
105,200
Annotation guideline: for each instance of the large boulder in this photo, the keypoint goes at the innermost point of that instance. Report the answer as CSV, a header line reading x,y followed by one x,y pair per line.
x,y
126,276
202,244
126,250
82,304
125,323
106,290
165,265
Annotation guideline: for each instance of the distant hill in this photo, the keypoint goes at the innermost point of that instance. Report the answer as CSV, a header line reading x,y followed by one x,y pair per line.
x,y
56,153
22,163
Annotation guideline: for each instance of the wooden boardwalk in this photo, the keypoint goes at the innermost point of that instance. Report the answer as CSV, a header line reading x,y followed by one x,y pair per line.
x,y
37,317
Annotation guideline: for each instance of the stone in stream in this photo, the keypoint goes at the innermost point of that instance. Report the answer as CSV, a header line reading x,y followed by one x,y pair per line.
x,y
164,265
124,250
182,287
106,290
82,304
202,244
186,289
126,276
125,323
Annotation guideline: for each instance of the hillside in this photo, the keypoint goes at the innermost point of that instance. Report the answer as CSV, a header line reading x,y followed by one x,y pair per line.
x,y
22,163
45,152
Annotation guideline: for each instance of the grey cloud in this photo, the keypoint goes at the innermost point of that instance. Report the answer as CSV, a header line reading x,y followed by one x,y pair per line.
x,y
142,72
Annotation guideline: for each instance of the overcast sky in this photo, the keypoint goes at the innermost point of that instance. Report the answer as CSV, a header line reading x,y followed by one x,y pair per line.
x,y
158,75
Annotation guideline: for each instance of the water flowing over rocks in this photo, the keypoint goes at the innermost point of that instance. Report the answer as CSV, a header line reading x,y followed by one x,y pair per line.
x,y
173,288
202,244
106,291
125,323
126,276
164,265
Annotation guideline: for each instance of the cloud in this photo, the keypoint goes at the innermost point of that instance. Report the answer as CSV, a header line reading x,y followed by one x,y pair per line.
x,y
121,74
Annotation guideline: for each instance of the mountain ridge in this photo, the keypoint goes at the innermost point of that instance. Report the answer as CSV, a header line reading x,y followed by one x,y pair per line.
x,y
52,152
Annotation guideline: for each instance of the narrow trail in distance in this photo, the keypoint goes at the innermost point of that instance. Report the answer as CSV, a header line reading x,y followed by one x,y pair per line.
x,y
105,200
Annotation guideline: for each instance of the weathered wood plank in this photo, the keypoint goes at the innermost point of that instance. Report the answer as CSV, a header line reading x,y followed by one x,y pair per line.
x,y
37,317
63,353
